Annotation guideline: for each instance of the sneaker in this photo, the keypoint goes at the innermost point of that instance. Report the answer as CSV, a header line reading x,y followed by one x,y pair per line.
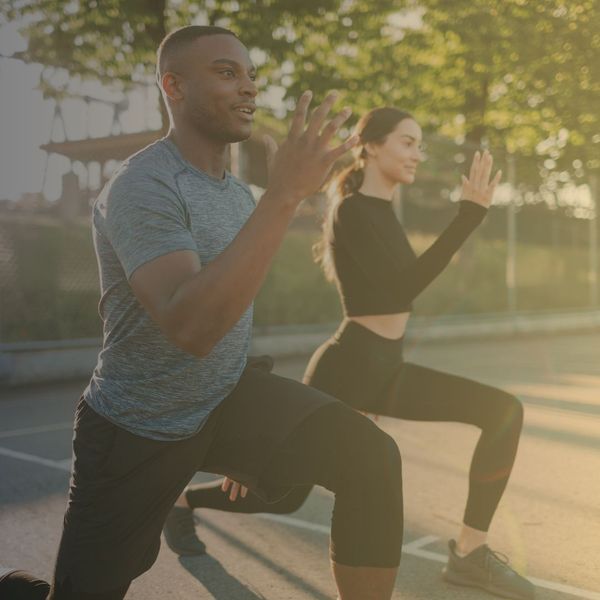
x,y
15,583
483,568
180,532
5,572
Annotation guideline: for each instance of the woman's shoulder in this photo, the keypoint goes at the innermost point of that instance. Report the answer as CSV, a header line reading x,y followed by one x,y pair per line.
x,y
351,206
357,206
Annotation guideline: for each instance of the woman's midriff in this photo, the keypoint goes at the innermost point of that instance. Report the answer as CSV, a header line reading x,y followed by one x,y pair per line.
x,y
391,327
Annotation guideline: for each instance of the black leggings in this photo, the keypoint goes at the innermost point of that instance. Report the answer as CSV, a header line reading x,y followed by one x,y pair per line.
x,y
368,372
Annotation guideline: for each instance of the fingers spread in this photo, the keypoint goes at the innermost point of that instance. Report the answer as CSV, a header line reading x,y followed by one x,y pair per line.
x,y
318,117
270,147
334,154
474,166
332,127
299,117
485,170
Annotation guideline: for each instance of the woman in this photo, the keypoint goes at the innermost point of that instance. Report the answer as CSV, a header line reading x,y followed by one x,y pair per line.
x,y
366,253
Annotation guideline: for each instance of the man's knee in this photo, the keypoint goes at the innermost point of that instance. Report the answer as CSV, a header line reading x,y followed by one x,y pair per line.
x,y
292,501
385,460
376,458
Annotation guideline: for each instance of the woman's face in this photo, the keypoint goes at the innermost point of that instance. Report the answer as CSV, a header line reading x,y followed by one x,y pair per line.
x,y
398,157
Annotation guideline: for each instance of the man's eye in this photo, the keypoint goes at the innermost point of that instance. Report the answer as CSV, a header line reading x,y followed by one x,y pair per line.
x,y
228,72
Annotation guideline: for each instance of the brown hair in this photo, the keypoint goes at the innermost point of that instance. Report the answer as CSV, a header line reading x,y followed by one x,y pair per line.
x,y
373,127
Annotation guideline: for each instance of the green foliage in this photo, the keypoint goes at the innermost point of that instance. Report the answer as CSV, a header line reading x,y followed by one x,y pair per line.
x,y
49,289
514,73
295,290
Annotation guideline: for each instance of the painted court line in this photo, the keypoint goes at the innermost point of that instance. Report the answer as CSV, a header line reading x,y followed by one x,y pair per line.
x,y
61,465
41,429
415,548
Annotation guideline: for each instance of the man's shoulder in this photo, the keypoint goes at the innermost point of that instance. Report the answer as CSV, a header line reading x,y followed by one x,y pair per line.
x,y
243,188
154,163
154,168
147,177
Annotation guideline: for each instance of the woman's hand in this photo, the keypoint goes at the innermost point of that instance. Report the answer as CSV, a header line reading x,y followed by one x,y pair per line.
x,y
478,188
236,488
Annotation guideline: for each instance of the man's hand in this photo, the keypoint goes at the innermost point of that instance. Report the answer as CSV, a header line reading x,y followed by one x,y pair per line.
x,y
478,188
236,488
301,164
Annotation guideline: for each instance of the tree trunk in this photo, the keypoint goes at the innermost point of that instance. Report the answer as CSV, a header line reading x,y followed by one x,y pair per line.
x,y
157,29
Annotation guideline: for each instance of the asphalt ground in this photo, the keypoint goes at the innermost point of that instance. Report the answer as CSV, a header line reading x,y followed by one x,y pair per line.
x,y
548,522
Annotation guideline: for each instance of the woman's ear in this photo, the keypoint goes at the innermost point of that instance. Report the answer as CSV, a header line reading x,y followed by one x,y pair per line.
x,y
369,150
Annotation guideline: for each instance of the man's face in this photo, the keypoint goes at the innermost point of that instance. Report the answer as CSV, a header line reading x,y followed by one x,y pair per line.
x,y
217,88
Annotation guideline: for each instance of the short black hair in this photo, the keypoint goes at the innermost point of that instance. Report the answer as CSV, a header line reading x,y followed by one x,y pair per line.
x,y
174,41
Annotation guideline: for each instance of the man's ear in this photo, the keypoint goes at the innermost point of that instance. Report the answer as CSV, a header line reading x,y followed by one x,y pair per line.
x,y
172,85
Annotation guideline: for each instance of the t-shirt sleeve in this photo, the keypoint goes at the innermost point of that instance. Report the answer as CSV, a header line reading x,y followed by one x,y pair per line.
x,y
144,219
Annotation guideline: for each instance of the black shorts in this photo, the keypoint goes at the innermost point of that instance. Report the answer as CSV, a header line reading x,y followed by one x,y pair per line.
x,y
123,485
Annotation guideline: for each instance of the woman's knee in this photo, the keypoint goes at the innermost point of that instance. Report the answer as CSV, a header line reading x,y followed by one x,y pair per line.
x,y
512,412
503,411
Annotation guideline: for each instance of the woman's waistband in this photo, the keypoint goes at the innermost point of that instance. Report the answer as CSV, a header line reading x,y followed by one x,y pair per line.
x,y
352,333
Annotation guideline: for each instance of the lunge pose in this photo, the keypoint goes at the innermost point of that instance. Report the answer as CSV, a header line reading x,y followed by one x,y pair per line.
x,y
365,251
183,251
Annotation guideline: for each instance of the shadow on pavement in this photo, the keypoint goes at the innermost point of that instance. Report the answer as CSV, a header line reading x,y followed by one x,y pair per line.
x,y
226,592
215,578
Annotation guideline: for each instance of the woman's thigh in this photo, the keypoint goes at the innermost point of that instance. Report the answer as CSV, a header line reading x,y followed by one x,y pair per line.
x,y
423,394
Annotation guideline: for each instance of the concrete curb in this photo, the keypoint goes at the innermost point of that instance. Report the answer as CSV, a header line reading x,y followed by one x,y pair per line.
x,y
45,362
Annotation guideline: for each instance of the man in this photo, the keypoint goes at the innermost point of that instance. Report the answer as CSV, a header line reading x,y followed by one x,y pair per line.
x,y
182,252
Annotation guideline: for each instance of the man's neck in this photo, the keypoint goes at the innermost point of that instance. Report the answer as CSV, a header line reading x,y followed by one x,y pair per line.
x,y
205,155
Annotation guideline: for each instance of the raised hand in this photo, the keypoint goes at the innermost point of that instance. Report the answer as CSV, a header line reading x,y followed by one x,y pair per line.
x,y
478,188
300,165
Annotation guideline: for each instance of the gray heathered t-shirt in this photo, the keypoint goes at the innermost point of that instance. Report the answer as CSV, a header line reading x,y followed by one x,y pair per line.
x,y
158,203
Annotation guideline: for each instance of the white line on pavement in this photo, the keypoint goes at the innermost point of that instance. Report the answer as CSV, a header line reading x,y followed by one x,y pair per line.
x,y
61,465
41,429
415,548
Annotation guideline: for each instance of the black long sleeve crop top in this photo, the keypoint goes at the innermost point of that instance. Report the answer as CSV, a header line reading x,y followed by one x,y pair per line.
x,y
377,270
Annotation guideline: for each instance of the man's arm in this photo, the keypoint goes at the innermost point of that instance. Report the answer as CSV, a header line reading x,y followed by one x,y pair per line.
x,y
194,305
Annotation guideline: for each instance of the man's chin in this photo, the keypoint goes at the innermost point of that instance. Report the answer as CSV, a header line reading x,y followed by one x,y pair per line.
x,y
239,135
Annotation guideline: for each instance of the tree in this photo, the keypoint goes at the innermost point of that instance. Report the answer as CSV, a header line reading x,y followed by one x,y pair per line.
x,y
521,76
